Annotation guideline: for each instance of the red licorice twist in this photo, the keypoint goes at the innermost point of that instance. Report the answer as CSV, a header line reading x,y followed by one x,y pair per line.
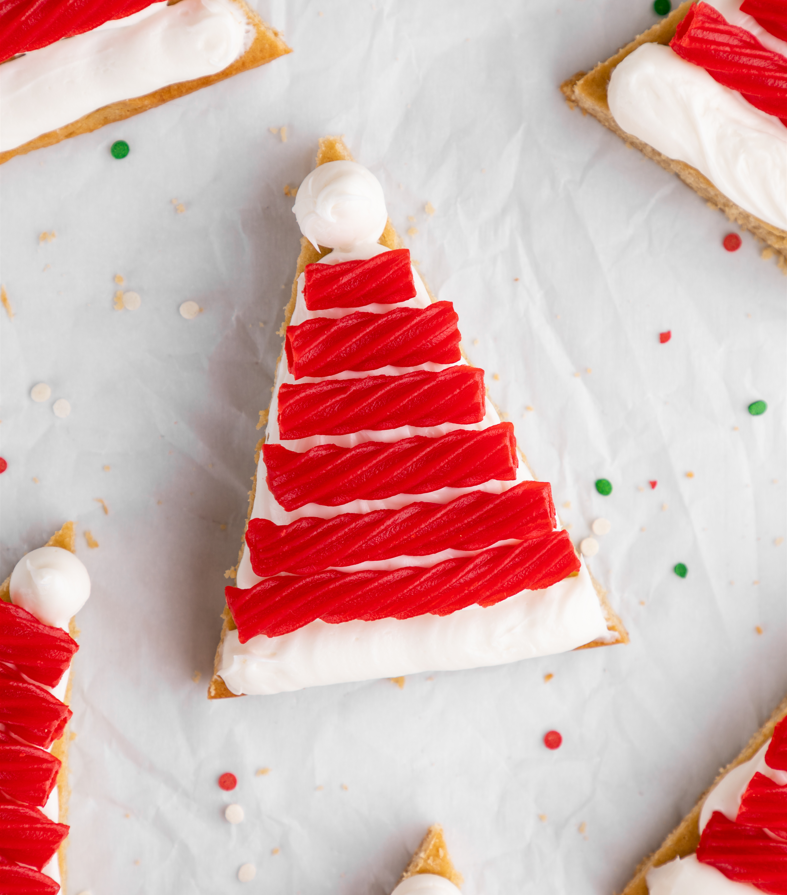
x,y
771,14
733,57
470,522
27,774
31,712
27,25
37,650
403,337
279,605
331,476
744,854
764,804
28,836
376,403
17,880
776,755
385,279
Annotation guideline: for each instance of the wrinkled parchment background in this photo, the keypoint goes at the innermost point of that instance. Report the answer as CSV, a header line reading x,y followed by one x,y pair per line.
x,y
566,254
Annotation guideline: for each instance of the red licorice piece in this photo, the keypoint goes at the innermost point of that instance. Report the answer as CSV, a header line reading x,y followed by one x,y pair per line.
x,y
733,57
776,754
744,854
385,279
40,652
665,336
31,712
278,605
403,337
470,522
330,475
27,774
764,804
31,24
18,880
28,836
771,14
420,398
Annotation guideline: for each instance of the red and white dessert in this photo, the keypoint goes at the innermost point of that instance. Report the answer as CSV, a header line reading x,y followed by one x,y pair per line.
x,y
394,528
47,587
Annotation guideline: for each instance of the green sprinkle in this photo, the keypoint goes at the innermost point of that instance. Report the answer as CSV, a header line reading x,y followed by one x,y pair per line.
x,y
757,408
604,486
681,570
662,7
120,149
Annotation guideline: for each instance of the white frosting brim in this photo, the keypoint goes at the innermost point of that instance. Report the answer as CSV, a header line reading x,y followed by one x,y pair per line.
x,y
161,45
533,623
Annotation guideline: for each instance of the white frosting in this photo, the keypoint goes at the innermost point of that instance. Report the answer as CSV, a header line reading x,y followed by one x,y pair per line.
x,y
688,876
341,205
161,45
426,884
533,623
52,584
680,110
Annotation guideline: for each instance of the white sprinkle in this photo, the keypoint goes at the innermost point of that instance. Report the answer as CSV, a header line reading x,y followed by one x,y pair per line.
x,y
601,526
588,547
61,408
40,392
234,814
131,301
189,310
247,873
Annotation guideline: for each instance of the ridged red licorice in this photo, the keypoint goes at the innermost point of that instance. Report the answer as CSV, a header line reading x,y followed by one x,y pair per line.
x,y
764,804
470,522
18,880
30,711
386,279
403,337
330,475
279,605
733,57
421,398
744,854
39,651
776,754
27,774
27,25
771,14
28,836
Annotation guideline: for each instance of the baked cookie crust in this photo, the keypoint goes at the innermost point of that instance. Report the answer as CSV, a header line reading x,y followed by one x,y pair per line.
x,y
685,838
588,90
266,46
332,149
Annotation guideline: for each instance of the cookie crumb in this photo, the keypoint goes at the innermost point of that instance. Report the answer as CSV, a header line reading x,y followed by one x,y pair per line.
x,y
778,541
275,851
273,130
178,206
429,208
566,504
413,231
663,507
263,772
548,677
35,480
6,303
399,681
47,236
103,503
689,475
345,787
542,818
189,310
263,419
91,541
758,629
411,218
290,190
283,134
119,279
496,377
529,408
107,468
117,301
476,341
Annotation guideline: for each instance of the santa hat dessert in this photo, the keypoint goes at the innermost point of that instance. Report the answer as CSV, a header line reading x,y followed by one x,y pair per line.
x,y
394,526
72,66
431,871
704,94
37,604
734,841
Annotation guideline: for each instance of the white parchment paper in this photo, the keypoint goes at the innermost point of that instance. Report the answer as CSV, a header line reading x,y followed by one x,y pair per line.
x,y
566,254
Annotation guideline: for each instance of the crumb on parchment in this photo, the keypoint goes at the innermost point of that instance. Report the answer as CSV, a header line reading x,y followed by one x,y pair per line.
x,y
6,303
91,541
47,236
399,681
196,676
263,772
103,503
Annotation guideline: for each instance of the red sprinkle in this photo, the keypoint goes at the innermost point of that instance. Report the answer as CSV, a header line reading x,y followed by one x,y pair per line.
x,y
653,483
553,740
3,465
732,242
665,336
228,782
